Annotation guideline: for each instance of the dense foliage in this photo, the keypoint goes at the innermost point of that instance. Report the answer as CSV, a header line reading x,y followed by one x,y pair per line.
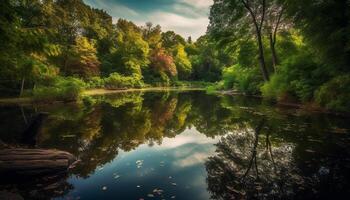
x,y
285,50
45,40
300,47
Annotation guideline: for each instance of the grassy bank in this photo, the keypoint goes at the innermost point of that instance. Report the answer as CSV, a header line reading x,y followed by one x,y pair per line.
x,y
90,92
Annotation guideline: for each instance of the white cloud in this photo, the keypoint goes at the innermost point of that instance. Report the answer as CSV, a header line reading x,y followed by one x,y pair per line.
x,y
198,3
188,136
185,17
182,25
194,159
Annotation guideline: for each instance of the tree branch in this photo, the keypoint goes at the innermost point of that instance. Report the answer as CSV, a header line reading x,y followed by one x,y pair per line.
x,y
277,25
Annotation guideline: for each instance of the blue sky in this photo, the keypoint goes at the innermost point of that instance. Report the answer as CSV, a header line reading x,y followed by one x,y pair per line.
x,y
185,17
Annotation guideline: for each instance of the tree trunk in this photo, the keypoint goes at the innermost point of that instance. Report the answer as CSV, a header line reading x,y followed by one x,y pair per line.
x,y
274,54
264,71
22,87
258,28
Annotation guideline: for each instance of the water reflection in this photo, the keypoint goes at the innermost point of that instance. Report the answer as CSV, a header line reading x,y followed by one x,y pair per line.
x,y
262,152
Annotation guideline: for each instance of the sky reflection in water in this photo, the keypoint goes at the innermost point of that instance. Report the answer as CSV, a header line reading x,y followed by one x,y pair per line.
x,y
187,145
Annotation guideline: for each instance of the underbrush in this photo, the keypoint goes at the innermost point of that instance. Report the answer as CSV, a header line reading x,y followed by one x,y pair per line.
x,y
59,89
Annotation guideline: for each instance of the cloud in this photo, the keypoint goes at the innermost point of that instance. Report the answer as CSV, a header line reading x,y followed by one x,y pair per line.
x,y
198,3
185,17
182,25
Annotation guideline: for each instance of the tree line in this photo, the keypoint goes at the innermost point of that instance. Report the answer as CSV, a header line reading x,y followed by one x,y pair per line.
x,y
285,50
51,47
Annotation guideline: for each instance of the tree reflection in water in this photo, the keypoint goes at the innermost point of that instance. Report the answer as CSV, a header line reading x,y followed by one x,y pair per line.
x,y
248,165
264,152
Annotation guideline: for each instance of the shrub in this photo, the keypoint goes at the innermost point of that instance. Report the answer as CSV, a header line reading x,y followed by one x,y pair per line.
x,y
215,87
275,88
246,80
335,94
61,89
117,81
191,84
96,82
297,77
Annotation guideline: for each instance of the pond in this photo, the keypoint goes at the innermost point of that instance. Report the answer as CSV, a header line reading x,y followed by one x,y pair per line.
x,y
184,145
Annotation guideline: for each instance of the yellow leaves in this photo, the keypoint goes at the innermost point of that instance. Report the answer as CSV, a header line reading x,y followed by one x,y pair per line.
x,y
52,49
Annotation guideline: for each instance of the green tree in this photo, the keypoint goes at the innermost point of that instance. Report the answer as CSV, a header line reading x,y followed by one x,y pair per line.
x,y
182,62
132,51
84,61
244,15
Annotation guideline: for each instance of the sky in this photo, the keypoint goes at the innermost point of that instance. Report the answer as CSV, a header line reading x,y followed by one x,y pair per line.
x,y
185,17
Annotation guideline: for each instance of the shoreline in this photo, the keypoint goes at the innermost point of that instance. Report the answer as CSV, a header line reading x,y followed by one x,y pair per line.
x,y
97,92
94,92
285,104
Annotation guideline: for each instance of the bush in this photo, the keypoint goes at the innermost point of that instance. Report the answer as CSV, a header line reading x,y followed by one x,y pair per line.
x,y
335,94
298,77
215,87
61,89
191,84
95,82
275,88
246,80
116,81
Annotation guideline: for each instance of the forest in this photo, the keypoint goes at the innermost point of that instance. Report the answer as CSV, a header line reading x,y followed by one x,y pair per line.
x,y
284,50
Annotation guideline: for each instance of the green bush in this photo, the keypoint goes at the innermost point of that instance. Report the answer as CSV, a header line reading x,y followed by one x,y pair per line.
x,y
215,87
61,89
117,81
95,82
191,84
298,77
276,88
246,80
335,94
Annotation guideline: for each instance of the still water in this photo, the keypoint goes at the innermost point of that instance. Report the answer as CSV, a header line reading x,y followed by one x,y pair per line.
x,y
185,145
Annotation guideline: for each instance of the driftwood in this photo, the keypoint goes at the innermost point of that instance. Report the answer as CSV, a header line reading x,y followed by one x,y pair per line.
x,y
29,162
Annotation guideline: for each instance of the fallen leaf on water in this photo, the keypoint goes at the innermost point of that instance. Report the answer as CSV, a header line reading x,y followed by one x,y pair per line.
x,y
158,191
68,136
150,195
310,151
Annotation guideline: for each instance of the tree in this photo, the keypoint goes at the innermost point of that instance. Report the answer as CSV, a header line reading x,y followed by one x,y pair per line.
x,y
162,62
170,39
274,22
152,35
84,61
132,51
325,25
241,14
182,62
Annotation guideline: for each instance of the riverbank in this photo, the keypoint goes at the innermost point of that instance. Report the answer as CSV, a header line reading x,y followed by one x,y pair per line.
x,y
310,107
95,92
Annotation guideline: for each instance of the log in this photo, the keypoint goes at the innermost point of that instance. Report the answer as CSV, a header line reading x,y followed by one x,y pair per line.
x,y
31,162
